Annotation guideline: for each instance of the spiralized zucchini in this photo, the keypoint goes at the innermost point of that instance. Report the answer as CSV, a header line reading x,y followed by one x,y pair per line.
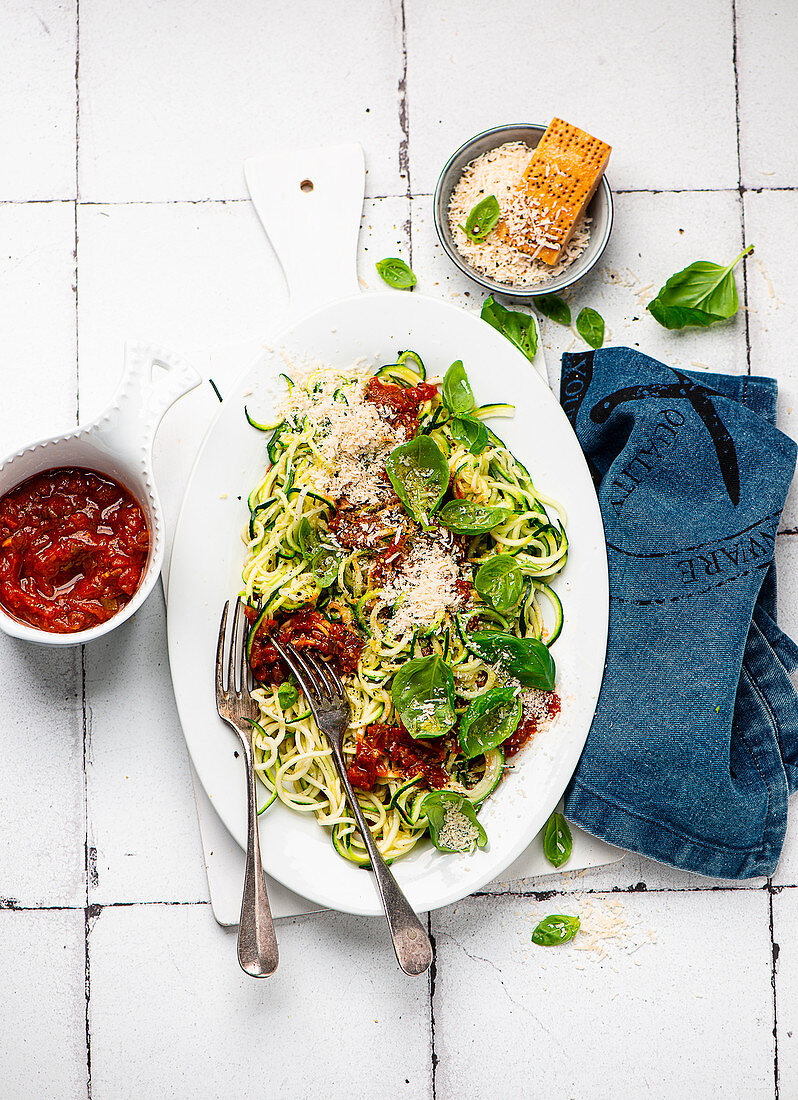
x,y
293,760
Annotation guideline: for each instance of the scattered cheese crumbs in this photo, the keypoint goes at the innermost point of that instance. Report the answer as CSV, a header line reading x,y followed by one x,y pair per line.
x,y
457,832
500,172
607,929
425,587
353,438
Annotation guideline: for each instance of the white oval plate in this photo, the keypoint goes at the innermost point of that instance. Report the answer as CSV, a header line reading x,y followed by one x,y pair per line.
x,y
206,569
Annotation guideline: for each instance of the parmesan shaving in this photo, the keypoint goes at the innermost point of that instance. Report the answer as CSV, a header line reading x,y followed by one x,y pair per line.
x,y
499,172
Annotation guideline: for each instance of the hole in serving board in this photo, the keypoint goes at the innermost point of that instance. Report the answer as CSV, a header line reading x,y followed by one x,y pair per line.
x,y
306,186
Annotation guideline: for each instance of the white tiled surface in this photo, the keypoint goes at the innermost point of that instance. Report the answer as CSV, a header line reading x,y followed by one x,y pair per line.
x,y
99,851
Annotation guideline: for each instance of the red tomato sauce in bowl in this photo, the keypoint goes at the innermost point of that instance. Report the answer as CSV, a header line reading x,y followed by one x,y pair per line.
x,y
73,549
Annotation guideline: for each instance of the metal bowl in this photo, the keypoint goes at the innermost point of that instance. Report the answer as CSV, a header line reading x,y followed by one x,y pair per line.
x,y
599,210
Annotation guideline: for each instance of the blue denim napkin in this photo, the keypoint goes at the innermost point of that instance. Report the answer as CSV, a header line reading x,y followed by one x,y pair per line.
x,y
693,750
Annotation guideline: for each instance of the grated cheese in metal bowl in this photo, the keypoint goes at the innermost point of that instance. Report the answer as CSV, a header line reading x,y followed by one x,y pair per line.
x,y
498,172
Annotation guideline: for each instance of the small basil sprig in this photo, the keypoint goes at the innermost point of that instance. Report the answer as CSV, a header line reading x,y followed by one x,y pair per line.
x,y
701,294
519,328
500,582
287,695
482,220
464,517
556,309
396,273
555,929
456,391
324,560
490,719
557,840
420,476
470,432
590,326
527,659
440,806
423,696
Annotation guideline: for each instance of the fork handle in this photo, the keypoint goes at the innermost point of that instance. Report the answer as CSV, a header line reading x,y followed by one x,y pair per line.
x,y
257,940
410,941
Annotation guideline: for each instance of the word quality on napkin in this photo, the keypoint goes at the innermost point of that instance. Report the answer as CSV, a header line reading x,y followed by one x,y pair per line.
x,y
693,750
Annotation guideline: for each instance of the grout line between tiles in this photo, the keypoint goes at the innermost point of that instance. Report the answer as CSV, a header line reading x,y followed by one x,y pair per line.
x,y
774,955
740,188
404,125
433,975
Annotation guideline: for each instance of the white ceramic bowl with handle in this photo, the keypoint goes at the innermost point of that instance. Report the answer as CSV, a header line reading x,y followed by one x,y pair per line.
x,y
118,443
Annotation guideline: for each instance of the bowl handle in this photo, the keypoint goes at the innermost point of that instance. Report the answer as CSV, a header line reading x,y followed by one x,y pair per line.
x,y
310,202
152,380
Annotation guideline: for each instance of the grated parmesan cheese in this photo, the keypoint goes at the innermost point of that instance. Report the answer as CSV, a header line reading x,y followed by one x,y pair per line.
x,y
425,587
457,832
353,438
499,172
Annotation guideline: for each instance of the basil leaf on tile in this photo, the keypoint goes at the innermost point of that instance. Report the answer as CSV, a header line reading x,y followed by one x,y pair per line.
x,y
557,840
556,309
490,719
590,326
470,432
396,273
419,474
519,328
453,824
287,695
701,294
423,696
464,517
500,582
456,391
555,929
482,220
527,659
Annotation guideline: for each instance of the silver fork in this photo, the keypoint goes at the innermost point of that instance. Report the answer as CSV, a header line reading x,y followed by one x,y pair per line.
x,y
257,941
330,707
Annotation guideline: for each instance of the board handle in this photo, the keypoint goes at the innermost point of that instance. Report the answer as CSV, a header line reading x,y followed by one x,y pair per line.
x,y
310,202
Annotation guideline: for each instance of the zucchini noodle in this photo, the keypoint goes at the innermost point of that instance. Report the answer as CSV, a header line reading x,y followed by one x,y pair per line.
x,y
293,512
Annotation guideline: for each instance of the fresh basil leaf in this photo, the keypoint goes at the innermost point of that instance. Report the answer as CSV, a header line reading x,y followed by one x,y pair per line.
x,y
464,517
420,476
481,222
396,273
557,840
324,565
500,582
449,812
519,328
701,294
527,659
456,391
287,695
590,326
307,538
490,719
470,432
555,929
423,696
556,309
